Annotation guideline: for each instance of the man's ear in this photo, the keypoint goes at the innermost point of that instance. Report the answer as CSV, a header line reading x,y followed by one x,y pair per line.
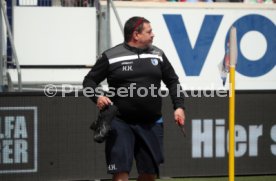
x,y
135,35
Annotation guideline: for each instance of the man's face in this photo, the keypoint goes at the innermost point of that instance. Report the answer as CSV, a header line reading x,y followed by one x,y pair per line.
x,y
145,38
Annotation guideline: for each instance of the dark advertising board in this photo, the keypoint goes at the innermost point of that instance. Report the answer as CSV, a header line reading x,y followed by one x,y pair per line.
x,y
204,152
48,138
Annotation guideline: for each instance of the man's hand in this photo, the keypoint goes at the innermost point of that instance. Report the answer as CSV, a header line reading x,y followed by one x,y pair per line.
x,y
103,101
179,116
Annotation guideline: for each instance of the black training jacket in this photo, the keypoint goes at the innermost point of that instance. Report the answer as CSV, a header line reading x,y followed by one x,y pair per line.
x,y
134,78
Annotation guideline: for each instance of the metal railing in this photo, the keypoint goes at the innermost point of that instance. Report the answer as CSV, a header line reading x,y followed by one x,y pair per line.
x,y
10,36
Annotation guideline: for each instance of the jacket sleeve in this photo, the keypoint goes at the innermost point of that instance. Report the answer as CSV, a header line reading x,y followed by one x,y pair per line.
x,y
96,75
170,79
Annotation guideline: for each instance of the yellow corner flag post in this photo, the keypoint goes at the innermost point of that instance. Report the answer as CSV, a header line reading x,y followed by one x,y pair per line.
x,y
233,58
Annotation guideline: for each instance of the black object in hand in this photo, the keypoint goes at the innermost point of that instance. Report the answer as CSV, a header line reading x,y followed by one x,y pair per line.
x,y
183,130
102,125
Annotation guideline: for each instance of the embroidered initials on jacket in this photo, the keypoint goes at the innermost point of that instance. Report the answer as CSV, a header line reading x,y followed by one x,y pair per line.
x,y
127,68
